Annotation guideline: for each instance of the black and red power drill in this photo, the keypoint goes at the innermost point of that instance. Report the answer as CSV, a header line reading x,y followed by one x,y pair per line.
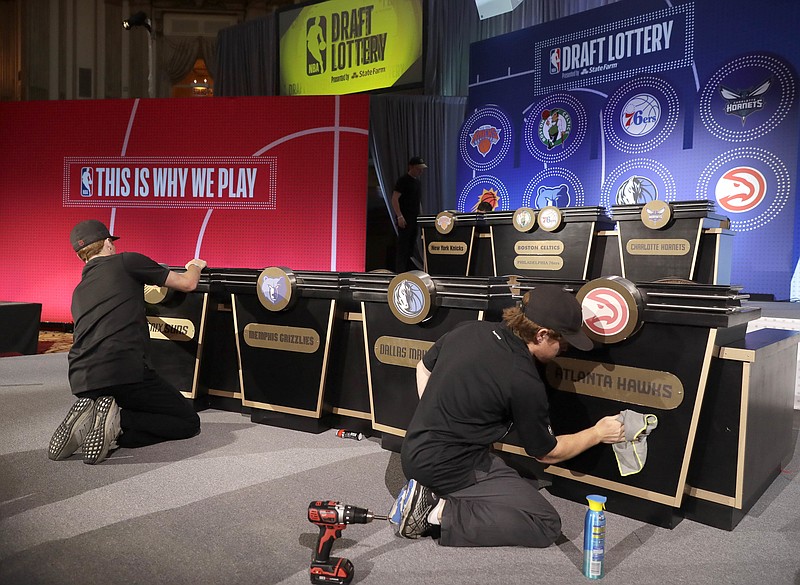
x,y
333,517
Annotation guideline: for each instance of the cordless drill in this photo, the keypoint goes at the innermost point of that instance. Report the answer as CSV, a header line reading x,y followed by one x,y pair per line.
x,y
333,517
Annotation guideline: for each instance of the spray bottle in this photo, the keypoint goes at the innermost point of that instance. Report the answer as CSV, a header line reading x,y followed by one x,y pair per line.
x,y
594,538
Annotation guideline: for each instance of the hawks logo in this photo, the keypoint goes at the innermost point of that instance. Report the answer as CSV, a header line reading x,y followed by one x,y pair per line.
x,y
555,127
488,196
744,102
740,189
484,138
605,312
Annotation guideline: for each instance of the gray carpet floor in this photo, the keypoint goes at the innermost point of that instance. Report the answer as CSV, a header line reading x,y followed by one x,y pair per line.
x,y
229,507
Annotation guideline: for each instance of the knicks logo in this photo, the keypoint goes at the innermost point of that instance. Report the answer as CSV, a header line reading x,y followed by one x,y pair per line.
x,y
605,312
555,61
484,138
740,189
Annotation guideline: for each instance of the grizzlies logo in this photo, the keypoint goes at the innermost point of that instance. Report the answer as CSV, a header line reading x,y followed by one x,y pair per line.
x,y
410,296
552,196
275,288
636,190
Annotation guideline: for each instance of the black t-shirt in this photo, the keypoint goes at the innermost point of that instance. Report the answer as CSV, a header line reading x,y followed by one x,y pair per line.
x,y
410,193
111,337
483,378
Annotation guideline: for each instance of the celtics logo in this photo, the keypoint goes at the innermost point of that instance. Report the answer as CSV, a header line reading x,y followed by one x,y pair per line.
x,y
555,127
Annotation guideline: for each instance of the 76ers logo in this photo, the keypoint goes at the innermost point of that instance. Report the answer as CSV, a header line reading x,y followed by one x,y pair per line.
x,y
740,189
605,312
484,138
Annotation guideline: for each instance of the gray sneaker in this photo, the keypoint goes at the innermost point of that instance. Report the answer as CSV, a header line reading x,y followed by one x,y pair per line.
x,y
414,519
72,431
103,436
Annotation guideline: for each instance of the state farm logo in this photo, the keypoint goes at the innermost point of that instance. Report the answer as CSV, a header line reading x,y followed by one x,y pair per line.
x,y
605,312
484,138
611,307
740,189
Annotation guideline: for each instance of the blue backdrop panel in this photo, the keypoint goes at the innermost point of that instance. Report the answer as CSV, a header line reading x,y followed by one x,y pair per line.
x,y
641,100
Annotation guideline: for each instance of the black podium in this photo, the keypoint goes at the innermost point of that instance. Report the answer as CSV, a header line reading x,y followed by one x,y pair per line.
x,y
395,344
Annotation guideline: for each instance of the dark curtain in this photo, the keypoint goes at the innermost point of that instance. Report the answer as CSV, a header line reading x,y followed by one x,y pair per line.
x,y
246,59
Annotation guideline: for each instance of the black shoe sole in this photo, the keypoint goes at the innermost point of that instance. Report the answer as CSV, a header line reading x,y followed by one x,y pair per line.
x,y
72,431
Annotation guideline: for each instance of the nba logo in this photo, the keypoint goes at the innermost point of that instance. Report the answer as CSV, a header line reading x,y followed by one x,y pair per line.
x,y
316,45
86,181
555,60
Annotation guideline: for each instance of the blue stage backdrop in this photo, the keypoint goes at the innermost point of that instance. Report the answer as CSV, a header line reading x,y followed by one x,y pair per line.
x,y
641,100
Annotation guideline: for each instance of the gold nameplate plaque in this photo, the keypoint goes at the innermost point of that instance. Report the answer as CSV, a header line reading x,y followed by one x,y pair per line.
x,y
539,262
171,328
648,388
400,351
295,339
542,247
661,247
451,248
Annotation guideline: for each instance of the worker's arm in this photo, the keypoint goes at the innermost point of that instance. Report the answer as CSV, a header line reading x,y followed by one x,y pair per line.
x,y
401,221
422,378
607,430
186,281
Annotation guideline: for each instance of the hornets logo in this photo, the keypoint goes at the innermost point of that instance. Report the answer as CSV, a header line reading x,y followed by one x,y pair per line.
x,y
744,102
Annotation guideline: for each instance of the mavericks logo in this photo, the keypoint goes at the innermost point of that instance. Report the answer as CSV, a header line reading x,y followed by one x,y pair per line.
x,y
410,296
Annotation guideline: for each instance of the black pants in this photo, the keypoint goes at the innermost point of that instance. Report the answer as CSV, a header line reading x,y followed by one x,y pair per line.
x,y
501,509
152,411
406,244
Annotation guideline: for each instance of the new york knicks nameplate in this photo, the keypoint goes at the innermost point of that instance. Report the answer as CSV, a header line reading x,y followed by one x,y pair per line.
x,y
411,296
277,288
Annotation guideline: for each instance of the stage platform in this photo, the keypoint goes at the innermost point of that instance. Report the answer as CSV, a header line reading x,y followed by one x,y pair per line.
x,y
779,315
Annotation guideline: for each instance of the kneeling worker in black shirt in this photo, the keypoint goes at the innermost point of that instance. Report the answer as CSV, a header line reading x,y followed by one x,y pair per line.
x,y
121,401
474,383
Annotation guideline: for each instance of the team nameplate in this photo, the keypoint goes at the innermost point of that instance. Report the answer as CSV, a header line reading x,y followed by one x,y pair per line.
x,y
539,262
295,339
400,351
661,247
544,247
171,328
451,248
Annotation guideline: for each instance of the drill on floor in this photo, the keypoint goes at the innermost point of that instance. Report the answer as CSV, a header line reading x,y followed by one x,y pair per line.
x,y
332,518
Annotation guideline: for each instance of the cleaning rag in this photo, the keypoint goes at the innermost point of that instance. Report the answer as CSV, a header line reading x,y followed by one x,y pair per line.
x,y
631,453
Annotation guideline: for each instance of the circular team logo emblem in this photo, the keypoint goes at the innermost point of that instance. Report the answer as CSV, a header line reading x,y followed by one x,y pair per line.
x,y
485,138
410,296
636,190
656,214
550,219
524,219
612,309
155,294
554,128
636,182
641,115
445,222
276,288
556,187
750,185
483,188
741,189
747,98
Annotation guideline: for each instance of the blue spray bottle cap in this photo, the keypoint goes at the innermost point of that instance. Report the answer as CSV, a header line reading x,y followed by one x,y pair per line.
x,y
596,502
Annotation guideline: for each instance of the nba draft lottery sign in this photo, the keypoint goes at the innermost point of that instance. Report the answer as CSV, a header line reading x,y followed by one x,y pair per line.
x,y
642,101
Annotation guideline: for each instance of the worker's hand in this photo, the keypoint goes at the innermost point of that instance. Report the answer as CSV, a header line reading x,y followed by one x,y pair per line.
x,y
401,222
610,430
197,262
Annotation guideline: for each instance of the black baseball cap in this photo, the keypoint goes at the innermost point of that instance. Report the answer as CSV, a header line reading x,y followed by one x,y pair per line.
x,y
552,307
417,161
88,232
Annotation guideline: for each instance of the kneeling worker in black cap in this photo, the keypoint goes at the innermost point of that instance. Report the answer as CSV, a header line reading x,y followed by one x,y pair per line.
x,y
474,383
121,402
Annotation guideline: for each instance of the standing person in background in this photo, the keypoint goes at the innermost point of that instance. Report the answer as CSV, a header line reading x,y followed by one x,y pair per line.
x,y
121,401
406,199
